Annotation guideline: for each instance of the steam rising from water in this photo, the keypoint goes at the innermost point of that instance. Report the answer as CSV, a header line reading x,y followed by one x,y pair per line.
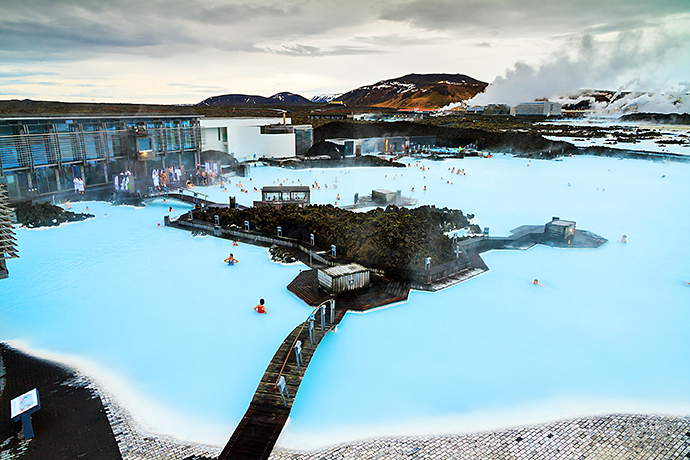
x,y
633,62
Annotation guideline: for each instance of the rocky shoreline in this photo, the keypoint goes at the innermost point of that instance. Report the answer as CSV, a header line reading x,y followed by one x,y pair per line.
x,y
35,215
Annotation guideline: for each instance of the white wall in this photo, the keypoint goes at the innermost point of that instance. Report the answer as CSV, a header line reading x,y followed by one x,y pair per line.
x,y
245,140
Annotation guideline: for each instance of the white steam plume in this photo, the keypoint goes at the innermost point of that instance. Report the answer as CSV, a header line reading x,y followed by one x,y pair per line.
x,y
599,64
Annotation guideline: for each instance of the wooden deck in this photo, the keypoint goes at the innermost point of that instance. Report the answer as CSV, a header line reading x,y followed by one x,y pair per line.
x,y
382,291
259,429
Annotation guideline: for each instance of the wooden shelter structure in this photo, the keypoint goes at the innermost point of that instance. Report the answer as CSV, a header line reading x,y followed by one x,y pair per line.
x,y
278,195
558,228
343,278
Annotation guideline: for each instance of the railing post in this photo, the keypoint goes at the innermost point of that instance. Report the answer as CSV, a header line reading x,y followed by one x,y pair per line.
x,y
323,317
298,354
332,311
311,328
282,387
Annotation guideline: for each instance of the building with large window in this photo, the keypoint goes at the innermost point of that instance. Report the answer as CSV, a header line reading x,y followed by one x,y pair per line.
x,y
40,156
255,138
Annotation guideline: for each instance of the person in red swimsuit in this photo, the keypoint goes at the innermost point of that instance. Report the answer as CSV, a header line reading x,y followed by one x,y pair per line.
x,y
260,308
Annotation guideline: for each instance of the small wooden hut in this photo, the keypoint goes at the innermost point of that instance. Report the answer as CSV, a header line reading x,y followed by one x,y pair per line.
x,y
343,278
558,228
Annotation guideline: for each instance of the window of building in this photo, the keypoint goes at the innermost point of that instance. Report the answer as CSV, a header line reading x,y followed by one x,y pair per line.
x,y
299,196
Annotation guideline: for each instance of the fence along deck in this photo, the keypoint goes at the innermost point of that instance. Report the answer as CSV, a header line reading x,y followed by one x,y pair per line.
x,y
258,431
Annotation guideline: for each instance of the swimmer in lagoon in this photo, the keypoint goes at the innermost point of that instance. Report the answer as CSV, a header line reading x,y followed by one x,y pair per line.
x,y
536,282
624,239
261,308
231,260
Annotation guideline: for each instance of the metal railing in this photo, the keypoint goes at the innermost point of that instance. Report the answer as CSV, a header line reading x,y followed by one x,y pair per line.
x,y
294,342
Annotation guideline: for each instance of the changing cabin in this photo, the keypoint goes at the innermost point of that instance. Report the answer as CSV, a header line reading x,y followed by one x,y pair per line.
x,y
279,195
343,278
558,228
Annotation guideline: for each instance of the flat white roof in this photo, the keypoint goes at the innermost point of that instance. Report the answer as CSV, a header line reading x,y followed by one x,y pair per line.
x,y
340,270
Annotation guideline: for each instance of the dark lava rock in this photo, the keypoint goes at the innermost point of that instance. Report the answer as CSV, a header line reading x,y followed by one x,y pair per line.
x,y
348,162
326,148
281,255
31,214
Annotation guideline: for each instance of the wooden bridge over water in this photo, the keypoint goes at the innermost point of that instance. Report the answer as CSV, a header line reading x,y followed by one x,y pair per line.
x,y
259,429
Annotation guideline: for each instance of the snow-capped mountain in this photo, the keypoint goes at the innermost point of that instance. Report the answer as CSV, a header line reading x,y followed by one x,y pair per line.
x,y
325,98
416,91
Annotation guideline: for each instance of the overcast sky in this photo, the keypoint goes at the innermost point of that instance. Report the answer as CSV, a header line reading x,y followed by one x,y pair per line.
x,y
183,51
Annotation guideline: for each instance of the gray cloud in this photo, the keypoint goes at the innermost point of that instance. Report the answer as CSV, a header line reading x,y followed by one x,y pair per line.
x,y
509,17
396,40
242,41
24,73
315,51
77,28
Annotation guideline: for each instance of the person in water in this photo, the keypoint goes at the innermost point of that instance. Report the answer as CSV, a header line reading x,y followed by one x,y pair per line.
x,y
536,282
231,260
261,308
624,239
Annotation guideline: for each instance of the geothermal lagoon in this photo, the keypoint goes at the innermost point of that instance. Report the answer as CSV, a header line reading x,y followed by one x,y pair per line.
x,y
156,318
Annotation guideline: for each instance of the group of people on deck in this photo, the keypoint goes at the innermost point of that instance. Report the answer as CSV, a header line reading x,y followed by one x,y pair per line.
x,y
160,178
121,181
78,185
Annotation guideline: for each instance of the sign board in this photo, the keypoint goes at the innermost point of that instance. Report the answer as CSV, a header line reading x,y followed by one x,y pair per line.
x,y
28,402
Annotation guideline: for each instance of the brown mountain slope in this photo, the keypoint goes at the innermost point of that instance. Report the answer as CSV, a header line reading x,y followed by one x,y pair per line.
x,y
428,91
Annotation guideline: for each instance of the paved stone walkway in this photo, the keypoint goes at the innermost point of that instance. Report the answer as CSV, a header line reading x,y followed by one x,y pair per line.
x,y
614,437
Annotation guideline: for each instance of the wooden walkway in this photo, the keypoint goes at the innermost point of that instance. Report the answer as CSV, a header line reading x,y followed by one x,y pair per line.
x,y
191,197
259,429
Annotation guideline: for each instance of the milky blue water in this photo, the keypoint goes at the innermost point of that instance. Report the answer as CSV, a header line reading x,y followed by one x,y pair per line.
x,y
162,322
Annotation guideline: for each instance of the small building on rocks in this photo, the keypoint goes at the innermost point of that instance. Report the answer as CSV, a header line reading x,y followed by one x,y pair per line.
x,y
558,228
279,195
343,278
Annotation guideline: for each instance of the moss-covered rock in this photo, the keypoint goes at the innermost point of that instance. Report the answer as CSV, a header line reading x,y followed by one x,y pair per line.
x,y
393,239
31,214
